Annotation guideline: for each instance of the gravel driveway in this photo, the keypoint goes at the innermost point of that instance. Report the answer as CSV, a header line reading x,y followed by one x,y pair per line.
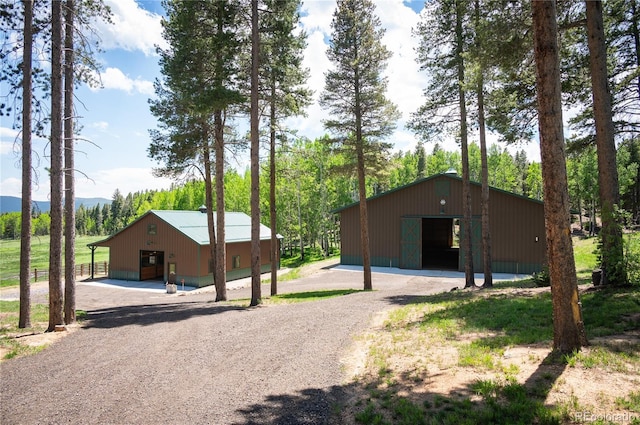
x,y
150,358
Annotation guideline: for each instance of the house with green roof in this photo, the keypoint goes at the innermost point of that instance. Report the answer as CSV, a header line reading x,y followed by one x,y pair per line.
x,y
163,245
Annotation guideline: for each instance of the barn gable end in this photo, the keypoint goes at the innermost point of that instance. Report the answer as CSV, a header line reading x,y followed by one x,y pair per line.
x,y
416,226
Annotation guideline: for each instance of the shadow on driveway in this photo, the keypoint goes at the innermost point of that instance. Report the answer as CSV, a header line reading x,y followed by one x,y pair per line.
x,y
150,314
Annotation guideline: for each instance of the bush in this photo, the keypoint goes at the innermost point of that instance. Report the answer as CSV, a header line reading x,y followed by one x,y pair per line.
x,y
542,278
632,258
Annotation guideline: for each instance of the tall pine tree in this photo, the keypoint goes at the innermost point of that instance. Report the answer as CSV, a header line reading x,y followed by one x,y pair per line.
x,y
361,115
201,84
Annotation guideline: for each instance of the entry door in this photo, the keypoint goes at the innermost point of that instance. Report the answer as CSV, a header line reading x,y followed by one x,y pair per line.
x,y
411,243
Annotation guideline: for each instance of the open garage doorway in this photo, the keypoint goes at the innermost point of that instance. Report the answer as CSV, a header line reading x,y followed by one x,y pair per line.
x,y
440,243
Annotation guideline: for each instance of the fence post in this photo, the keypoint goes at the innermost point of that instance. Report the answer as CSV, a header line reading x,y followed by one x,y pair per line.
x,y
35,275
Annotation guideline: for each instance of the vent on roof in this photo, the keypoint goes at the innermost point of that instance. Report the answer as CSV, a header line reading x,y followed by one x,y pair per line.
x,y
451,171
202,209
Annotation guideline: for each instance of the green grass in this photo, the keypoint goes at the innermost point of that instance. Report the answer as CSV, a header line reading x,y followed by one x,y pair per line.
x,y
9,327
10,254
296,263
311,255
482,326
295,297
298,297
630,402
584,251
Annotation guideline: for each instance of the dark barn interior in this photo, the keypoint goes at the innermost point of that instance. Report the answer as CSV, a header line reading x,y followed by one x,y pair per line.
x,y
439,247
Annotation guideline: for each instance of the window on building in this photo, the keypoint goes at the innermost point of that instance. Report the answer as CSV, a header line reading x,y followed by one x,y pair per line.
x,y
152,229
235,262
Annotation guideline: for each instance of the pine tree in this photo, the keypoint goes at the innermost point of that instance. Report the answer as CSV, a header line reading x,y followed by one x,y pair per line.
x,y
24,321
69,167
444,44
256,295
613,268
568,326
283,79
361,115
200,85
55,172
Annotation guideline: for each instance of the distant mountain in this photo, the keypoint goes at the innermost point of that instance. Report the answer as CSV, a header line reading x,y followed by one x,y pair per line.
x,y
13,204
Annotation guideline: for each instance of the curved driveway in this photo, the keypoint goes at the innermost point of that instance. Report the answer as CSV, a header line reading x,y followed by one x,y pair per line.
x,y
153,358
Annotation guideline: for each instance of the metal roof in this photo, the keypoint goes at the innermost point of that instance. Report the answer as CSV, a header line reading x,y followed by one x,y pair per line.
x,y
193,224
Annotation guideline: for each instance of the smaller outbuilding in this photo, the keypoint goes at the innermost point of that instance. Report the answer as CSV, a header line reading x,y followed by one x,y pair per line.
x,y
164,245
418,226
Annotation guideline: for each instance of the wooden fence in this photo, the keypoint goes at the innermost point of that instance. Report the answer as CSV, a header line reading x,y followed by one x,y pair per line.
x,y
99,269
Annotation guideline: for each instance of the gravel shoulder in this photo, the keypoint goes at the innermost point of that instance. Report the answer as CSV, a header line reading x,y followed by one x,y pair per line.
x,y
144,358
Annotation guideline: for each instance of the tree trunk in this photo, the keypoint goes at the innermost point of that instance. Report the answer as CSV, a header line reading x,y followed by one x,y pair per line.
x,y
256,296
300,238
636,41
272,191
362,189
208,196
486,231
613,268
364,221
568,327
466,241
55,248
221,248
69,178
24,320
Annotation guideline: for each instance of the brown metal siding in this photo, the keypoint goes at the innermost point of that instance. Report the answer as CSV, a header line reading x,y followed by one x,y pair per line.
x,y
191,259
515,221
125,247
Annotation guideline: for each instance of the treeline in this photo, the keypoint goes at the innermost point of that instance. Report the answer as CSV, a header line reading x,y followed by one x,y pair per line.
x,y
312,182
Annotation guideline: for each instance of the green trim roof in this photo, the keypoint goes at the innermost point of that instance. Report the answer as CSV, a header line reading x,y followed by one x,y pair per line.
x,y
193,224
424,179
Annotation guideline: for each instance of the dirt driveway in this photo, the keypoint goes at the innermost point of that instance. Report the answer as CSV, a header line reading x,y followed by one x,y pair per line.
x,y
149,357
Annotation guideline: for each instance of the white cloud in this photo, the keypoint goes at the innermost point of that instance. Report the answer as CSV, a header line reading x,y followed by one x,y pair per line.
x,y
115,79
133,28
11,186
100,125
317,15
102,183
98,184
8,138
405,82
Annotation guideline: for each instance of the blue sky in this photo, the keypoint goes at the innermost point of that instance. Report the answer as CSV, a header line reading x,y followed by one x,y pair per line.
x,y
112,151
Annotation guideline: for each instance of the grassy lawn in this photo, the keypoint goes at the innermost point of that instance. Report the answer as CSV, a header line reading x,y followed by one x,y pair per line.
x,y
585,255
468,357
10,254
484,357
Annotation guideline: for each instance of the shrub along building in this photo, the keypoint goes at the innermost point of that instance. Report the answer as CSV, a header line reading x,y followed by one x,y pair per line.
x,y
417,226
163,245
